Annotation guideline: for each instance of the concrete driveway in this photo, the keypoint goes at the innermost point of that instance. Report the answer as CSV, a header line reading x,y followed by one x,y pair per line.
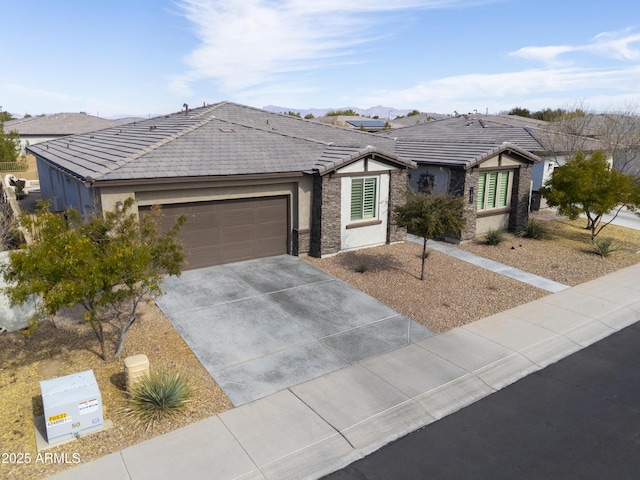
x,y
264,325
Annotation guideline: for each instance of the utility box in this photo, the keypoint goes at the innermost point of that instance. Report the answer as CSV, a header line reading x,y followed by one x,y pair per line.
x,y
72,406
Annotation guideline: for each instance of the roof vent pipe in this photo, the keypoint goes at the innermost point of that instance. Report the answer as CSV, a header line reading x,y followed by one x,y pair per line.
x,y
186,108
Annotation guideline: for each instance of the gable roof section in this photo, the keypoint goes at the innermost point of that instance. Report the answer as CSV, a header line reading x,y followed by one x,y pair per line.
x,y
457,154
217,140
335,157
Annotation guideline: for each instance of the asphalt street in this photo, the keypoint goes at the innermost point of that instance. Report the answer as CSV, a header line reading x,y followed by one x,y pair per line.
x,y
576,419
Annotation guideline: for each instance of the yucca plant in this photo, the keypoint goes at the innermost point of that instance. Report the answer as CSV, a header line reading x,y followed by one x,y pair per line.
x,y
605,246
159,395
534,229
494,236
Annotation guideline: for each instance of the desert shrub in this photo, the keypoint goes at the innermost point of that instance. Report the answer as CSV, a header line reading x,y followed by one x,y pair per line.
x,y
361,268
494,236
161,394
534,229
605,246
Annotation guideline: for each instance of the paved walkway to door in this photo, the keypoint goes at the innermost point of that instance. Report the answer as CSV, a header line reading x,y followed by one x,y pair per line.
x,y
264,325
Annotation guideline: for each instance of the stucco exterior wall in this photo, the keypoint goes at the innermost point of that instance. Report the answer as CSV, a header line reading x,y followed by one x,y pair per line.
x,y
441,177
492,222
64,191
364,235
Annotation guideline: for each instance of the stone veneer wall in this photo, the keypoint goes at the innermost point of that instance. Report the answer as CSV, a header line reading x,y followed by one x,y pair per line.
x,y
398,184
520,198
325,215
461,182
300,241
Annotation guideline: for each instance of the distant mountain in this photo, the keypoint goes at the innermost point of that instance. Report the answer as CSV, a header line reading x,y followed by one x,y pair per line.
x,y
381,111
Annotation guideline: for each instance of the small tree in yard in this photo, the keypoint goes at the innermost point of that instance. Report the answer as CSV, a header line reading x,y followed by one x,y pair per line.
x,y
9,145
430,216
589,185
107,264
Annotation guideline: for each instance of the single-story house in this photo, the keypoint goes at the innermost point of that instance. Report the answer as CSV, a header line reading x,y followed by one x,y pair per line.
x,y
41,128
494,180
545,140
252,183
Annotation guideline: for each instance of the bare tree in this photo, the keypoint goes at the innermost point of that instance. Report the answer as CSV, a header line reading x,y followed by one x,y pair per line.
x,y
616,132
619,132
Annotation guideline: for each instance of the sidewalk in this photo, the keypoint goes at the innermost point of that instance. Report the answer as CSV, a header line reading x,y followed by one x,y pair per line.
x,y
317,427
499,268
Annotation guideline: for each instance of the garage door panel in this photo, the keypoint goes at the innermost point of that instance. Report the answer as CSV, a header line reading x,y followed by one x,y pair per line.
x,y
230,230
270,230
237,218
239,233
197,259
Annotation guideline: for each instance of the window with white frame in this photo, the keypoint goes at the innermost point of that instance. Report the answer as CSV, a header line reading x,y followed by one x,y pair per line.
x,y
494,189
363,198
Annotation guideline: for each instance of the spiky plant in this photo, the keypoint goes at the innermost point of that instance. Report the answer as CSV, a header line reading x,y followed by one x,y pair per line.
x,y
494,236
605,246
159,395
534,229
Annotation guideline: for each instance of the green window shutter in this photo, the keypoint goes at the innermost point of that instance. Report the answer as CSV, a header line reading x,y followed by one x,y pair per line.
x,y
502,189
482,178
369,198
491,189
356,199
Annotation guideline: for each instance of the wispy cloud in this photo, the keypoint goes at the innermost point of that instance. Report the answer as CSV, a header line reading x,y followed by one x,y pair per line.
x,y
479,90
37,92
252,42
622,45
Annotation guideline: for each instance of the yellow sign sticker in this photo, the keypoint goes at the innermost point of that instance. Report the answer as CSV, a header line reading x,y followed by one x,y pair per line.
x,y
60,416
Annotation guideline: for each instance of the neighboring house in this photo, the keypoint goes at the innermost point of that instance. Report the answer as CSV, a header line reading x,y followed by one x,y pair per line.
x,y
493,179
368,125
38,129
251,183
542,139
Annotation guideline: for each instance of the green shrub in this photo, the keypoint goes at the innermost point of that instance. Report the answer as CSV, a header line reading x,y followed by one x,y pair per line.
x,y
362,268
161,394
605,246
494,236
534,229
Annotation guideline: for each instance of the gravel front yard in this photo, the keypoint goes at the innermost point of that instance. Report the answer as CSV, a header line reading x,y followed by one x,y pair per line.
x,y
453,293
69,348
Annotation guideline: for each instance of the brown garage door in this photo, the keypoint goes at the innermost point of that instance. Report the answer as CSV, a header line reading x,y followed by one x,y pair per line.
x,y
229,230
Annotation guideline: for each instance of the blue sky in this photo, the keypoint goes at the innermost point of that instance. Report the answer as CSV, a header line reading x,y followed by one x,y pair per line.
x,y
145,57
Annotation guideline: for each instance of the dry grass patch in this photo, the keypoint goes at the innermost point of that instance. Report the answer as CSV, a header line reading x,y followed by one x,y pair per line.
x,y
53,351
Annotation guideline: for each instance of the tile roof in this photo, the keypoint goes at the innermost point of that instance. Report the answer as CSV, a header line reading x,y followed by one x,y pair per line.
x,y
58,124
536,136
456,154
220,139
